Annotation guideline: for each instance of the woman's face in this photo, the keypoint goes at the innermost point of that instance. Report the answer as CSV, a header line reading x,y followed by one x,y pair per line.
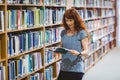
x,y
70,23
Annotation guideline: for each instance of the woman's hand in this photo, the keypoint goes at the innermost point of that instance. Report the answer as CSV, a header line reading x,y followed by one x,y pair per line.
x,y
83,53
74,52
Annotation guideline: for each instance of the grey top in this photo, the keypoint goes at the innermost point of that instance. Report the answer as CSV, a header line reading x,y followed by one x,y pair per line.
x,y
71,62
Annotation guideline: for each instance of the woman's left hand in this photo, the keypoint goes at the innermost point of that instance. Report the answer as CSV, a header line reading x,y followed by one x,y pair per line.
x,y
83,53
74,52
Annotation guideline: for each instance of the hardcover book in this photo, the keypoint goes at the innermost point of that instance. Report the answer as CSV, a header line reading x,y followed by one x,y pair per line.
x,y
60,50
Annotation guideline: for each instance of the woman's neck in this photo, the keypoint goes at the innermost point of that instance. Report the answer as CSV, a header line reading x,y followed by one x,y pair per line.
x,y
71,32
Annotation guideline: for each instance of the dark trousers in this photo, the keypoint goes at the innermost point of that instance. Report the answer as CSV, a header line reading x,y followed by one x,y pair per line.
x,y
64,75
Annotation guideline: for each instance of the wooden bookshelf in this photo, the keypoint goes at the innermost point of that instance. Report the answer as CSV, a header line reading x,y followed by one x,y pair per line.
x,y
99,16
27,29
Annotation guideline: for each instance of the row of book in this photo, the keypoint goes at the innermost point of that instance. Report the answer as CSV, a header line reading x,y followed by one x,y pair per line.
x,y
37,76
96,55
24,1
18,19
101,42
97,3
107,3
86,63
21,42
78,3
24,65
107,39
50,56
2,72
93,3
21,19
55,2
19,67
97,34
91,13
28,40
53,15
97,13
99,23
46,2
1,20
109,12
52,35
49,71
33,17
111,19
93,46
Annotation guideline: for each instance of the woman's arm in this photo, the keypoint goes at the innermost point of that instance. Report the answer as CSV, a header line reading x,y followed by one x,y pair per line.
x,y
84,47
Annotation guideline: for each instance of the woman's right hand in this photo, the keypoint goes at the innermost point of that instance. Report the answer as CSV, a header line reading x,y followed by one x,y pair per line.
x,y
74,52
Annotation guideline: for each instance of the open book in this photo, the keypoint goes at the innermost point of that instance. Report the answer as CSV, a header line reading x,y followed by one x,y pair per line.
x,y
60,50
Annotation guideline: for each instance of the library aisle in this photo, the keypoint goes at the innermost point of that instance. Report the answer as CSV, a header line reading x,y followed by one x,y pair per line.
x,y
108,68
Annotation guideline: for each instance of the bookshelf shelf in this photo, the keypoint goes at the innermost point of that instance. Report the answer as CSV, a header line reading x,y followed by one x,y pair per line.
x,y
25,5
1,33
2,60
47,45
24,53
33,23
52,25
99,16
53,62
25,27
2,4
55,6
101,27
31,73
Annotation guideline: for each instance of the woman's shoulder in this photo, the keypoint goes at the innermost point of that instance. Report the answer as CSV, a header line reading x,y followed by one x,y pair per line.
x,y
81,34
81,31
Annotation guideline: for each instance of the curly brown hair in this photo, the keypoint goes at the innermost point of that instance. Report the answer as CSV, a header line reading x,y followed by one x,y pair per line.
x,y
72,13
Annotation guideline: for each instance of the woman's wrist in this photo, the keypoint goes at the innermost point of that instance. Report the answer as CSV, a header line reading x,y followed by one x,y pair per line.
x,y
79,54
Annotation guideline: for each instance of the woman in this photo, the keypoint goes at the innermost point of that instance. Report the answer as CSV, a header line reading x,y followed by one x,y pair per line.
x,y
75,38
